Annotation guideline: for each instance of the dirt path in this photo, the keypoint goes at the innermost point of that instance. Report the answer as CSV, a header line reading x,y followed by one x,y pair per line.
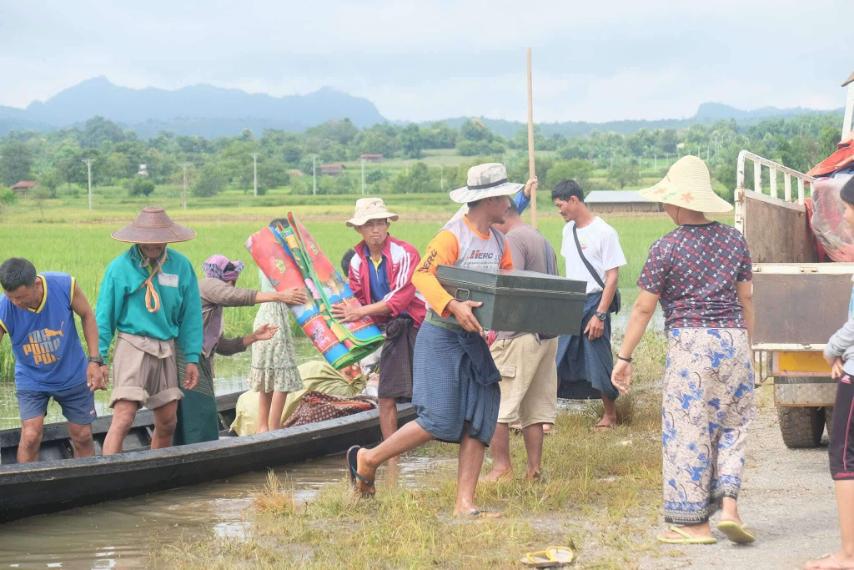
x,y
787,498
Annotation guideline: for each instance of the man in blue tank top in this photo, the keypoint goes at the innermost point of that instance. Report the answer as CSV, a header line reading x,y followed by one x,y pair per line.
x,y
37,312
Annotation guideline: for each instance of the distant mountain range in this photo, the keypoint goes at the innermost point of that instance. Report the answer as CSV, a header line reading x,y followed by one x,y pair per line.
x,y
196,110
706,113
211,112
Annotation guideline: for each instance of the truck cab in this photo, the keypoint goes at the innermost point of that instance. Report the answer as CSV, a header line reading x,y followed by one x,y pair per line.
x,y
799,302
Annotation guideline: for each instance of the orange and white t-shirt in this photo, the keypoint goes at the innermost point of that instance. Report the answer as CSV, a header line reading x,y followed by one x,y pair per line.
x,y
462,245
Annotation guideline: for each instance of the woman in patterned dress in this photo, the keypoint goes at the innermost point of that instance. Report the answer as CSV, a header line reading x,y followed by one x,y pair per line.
x,y
701,274
273,371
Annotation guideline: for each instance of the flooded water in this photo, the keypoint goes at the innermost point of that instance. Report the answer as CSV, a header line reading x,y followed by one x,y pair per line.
x,y
122,534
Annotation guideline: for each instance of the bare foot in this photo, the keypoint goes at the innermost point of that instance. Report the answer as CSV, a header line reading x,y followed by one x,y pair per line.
x,y
836,561
605,424
497,475
367,472
534,475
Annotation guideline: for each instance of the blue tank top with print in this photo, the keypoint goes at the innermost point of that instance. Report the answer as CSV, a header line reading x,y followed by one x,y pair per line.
x,y
48,354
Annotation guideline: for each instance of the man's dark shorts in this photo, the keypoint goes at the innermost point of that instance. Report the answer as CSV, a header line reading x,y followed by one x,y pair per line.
x,y
77,403
841,446
396,360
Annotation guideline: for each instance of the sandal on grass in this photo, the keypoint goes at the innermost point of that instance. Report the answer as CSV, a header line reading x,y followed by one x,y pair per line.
x,y
737,533
479,514
364,486
551,557
685,537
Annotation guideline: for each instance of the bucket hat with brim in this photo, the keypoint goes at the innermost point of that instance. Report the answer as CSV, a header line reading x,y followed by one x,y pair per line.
x,y
153,226
688,185
485,181
368,209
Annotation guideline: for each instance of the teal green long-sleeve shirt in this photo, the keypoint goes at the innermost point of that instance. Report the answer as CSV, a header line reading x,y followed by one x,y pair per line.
x,y
121,303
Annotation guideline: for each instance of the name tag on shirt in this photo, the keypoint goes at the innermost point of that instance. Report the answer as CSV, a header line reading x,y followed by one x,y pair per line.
x,y
167,279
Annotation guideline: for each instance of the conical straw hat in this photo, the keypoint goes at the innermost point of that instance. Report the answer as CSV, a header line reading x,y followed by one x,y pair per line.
x,y
688,185
153,226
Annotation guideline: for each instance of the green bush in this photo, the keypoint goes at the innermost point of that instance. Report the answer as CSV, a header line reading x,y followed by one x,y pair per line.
x,y
210,183
7,196
140,186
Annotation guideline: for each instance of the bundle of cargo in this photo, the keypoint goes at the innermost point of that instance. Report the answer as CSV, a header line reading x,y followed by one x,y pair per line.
x,y
519,301
834,239
289,256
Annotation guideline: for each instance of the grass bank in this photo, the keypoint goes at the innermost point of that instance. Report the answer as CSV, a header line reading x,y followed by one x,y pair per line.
x,y
600,491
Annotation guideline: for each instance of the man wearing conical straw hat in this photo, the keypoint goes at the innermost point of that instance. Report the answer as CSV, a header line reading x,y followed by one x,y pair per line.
x,y
701,274
150,297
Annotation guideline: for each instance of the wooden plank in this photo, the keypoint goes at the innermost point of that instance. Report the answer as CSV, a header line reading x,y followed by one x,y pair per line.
x,y
803,309
776,231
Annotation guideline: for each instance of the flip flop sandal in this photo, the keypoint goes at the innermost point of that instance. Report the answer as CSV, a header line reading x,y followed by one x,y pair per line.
x,y
364,486
737,533
551,557
479,514
685,537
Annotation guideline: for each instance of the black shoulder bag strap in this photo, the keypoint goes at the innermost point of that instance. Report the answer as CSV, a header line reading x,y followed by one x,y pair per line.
x,y
615,302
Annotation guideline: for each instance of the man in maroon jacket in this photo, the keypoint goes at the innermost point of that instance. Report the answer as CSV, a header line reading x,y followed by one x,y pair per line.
x,y
380,276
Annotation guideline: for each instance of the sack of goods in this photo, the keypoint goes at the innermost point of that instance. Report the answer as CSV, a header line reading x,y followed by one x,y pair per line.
x,y
289,257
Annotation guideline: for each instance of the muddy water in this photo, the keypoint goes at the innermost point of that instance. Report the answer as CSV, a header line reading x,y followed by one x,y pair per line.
x,y
122,534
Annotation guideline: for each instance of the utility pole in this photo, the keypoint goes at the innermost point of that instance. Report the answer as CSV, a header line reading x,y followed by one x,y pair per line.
x,y
314,175
88,162
184,190
363,177
255,174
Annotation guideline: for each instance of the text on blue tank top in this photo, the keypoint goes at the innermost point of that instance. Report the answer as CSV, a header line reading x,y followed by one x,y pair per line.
x,y
47,349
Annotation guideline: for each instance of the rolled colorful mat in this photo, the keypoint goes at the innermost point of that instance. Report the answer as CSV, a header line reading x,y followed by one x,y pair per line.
x,y
289,262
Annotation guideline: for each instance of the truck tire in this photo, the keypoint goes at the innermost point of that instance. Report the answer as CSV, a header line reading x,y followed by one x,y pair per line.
x,y
801,427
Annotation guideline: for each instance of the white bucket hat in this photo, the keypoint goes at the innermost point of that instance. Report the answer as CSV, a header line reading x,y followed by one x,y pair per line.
x,y
485,181
368,209
688,185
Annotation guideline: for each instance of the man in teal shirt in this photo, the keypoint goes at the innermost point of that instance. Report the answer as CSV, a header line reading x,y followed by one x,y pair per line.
x,y
150,297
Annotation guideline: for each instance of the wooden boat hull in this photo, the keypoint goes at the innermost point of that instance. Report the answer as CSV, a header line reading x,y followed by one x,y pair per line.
x,y
54,485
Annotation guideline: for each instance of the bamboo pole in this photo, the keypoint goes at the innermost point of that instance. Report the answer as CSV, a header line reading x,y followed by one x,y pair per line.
x,y
532,170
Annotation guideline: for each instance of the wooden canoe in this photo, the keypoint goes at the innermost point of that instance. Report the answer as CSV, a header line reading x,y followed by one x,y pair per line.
x,y
59,482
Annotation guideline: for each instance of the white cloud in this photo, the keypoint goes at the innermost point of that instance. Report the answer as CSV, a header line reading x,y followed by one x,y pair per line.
x,y
428,60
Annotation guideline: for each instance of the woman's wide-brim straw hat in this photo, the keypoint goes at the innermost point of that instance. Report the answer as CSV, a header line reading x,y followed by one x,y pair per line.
x,y
368,209
153,226
688,185
485,181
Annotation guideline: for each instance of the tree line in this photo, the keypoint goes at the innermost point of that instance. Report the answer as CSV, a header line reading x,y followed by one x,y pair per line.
x,y
56,159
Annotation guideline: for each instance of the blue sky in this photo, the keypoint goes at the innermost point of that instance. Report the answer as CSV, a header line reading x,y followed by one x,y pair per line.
x,y
425,60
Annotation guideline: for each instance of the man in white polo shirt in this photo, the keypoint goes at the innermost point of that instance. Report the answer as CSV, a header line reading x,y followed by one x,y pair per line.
x,y
593,254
